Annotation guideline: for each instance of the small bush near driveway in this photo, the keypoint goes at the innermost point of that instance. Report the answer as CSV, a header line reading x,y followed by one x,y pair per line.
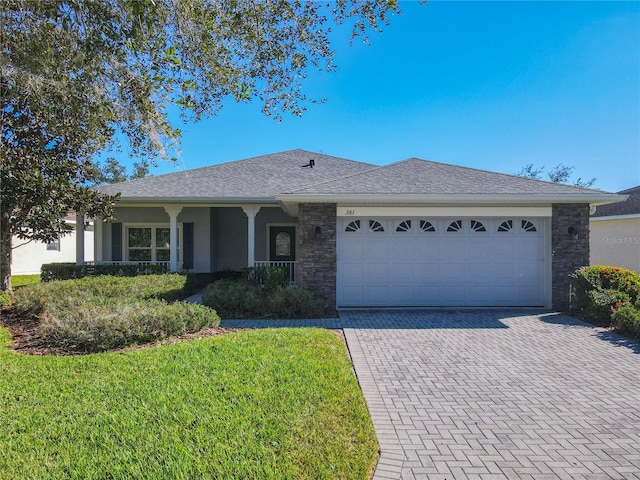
x,y
626,320
609,296
101,313
244,299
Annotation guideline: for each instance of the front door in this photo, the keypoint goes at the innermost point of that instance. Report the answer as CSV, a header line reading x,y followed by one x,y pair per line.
x,y
282,244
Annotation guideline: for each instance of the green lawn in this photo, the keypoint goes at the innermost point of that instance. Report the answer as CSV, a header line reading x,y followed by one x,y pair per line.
x,y
257,404
22,280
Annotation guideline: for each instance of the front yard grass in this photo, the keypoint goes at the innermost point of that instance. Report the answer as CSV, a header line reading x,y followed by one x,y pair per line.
x,y
255,404
22,280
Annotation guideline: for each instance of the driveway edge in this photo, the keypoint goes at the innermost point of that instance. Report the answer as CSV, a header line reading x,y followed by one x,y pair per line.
x,y
391,459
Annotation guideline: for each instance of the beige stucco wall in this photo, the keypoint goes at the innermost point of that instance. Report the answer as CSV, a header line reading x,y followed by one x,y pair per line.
x,y
28,259
616,242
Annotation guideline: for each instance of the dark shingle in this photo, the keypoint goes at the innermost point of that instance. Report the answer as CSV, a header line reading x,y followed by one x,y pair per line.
x,y
264,177
628,207
258,177
416,176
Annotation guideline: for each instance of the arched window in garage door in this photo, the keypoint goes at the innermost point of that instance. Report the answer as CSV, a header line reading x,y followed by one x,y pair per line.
x,y
506,226
375,226
477,226
404,226
455,226
353,226
427,226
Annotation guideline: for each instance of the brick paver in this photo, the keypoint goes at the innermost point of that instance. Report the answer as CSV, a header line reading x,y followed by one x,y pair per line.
x,y
497,395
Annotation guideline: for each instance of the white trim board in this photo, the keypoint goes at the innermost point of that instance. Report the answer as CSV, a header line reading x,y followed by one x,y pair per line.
x,y
629,216
448,211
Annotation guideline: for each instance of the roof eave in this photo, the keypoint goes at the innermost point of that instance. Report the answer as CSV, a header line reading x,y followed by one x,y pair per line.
x,y
489,199
194,200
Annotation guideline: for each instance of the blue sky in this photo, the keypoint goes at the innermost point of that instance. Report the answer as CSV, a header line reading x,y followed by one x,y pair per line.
x,y
491,85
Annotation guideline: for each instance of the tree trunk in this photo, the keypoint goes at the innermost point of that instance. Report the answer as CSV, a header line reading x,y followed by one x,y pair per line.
x,y
5,253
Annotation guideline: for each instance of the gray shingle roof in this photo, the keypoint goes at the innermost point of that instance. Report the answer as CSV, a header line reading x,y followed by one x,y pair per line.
x,y
416,176
253,178
265,177
628,207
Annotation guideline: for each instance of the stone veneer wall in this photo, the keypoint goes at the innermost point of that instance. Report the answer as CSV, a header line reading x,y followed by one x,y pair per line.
x,y
317,253
569,252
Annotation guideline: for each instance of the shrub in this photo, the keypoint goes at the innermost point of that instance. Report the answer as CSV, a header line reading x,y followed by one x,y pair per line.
x,y
244,299
95,328
269,278
234,298
294,303
59,271
198,281
66,271
101,313
5,299
37,298
626,319
601,290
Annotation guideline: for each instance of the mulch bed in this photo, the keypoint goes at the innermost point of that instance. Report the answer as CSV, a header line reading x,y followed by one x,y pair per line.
x,y
25,340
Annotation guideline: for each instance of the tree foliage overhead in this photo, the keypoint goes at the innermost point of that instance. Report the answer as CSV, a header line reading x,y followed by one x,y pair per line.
x,y
561,173
73,73
112,171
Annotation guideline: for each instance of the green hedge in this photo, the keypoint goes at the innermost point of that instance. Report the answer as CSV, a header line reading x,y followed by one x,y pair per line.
x,y
626,319
198,281
99,313
245,299
68,271
602,290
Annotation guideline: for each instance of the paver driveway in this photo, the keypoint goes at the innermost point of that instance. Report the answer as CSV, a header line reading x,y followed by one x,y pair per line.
x,y
495,394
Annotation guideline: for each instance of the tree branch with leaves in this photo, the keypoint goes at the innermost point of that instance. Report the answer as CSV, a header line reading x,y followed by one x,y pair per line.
x,y
561,173
75,73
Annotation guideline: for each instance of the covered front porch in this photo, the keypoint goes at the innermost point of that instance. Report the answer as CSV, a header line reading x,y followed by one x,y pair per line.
x,y
196,238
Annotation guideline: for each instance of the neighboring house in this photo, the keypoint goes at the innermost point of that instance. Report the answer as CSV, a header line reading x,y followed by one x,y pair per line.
x,y
412,233
28,257
615,232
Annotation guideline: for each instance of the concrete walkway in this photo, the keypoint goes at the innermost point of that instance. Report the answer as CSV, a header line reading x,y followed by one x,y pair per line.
x,y
497,395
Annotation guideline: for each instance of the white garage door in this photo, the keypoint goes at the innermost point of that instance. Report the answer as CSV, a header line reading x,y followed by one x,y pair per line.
x,y
440,262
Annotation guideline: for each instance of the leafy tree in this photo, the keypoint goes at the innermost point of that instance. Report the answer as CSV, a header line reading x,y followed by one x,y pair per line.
x,y
561,173
74,73
113,171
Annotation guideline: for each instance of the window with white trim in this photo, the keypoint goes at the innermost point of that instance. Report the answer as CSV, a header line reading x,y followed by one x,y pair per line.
x,y
149,243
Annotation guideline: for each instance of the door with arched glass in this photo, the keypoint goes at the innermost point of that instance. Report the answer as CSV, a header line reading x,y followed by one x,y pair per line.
x,y
282,244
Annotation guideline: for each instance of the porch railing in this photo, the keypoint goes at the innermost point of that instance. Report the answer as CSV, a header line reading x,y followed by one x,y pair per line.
x,y
290,269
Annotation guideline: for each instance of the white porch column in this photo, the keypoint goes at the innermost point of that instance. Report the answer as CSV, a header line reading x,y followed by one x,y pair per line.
x,y
97,239
79,238
251,211
173,211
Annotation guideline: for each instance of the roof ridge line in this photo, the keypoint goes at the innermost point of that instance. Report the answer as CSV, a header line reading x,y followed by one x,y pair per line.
x,y
512,175
335,179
